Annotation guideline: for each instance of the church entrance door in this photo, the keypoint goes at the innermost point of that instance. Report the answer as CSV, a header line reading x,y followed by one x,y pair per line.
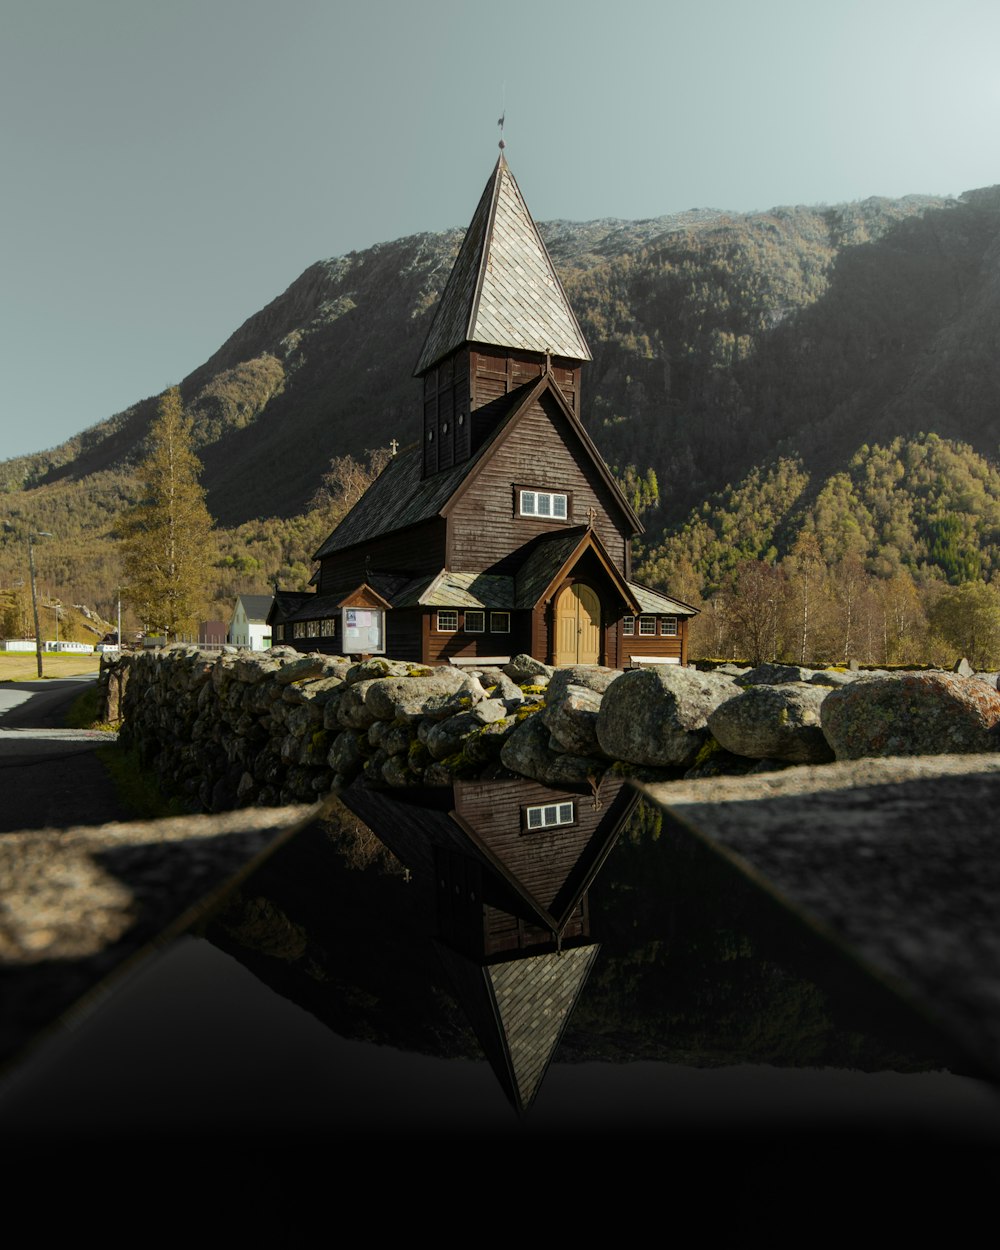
x,y
578,626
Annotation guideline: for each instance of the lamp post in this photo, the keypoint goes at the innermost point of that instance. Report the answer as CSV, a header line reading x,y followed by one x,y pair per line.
x,y
33,534
34,595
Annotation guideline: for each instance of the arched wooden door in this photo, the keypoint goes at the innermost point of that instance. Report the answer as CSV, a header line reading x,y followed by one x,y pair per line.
x,y
578,626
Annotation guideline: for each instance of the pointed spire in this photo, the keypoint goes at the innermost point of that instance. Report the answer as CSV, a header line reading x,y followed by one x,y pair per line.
x,y
503,289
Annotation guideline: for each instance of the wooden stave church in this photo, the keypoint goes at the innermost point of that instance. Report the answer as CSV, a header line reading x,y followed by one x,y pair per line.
x,y
503,532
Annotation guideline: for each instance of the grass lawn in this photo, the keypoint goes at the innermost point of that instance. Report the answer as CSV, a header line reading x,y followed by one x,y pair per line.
x,y
22,665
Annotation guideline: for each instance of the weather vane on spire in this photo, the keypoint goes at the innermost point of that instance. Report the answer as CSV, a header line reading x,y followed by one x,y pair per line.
x,y
500,122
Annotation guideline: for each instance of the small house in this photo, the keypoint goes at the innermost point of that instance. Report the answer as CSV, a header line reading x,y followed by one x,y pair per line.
x,y
248,625
502,531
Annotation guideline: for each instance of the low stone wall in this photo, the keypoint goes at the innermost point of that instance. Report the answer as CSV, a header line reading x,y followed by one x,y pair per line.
x,y
279,727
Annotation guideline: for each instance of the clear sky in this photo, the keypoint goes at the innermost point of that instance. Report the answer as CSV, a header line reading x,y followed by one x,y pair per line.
x,y
170,166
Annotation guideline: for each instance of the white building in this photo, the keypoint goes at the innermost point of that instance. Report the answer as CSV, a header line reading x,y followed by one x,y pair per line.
x,y
248,625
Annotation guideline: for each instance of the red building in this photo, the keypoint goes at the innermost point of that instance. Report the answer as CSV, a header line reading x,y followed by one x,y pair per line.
x,y
504,531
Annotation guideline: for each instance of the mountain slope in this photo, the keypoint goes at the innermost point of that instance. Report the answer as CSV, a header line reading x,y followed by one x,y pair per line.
x,y
720,341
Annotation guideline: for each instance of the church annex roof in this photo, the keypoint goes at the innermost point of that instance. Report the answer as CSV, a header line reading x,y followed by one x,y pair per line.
x,y
503,289
655,601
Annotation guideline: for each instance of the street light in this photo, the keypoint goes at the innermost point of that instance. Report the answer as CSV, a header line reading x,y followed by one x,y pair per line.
x,y
34,595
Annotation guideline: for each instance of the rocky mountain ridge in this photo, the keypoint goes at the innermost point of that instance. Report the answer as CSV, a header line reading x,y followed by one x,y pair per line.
x,y
721,342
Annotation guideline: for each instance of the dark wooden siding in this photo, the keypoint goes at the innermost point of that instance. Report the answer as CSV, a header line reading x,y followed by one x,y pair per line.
x,y
551,864
402,634
653,644
496,371
420,549
504,932
441,646
544,453
447,410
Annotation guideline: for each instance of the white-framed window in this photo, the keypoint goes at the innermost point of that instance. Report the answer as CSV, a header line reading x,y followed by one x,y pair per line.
x,y
475,622
668,626
447,621
544,504
299,629
647,626
313,628
279,633
549,816
328,628
499,622
628,626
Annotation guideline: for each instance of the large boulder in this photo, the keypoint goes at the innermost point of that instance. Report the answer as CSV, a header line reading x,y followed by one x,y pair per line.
x,y
911,714
590,676
570,714
441,694
526,751
446,737
773,674
525,670
773,722
659,716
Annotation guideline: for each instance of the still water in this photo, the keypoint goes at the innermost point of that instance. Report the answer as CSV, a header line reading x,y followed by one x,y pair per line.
x,y
344,996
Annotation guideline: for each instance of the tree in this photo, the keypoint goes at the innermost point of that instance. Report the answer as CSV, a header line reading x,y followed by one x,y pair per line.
x,y
967,617
806,566
167,540
347,479
754,609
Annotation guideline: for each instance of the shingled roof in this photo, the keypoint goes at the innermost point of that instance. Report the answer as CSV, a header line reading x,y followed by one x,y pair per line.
x,y
503,289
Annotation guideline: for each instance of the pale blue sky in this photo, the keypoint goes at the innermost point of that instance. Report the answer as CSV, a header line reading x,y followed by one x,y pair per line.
x,y
169,166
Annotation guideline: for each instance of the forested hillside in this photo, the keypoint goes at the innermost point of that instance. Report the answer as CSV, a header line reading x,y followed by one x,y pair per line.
x,y
755,378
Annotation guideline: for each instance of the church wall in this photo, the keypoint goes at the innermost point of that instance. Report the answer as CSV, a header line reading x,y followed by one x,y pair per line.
x,y
440,646
541,453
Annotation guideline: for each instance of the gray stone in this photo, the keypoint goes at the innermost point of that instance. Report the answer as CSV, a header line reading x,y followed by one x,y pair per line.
x,y
911,714
832,677
526,751
659,716
590,676
351,710
437,695
397,739
302,669
504,688
963,668
524,670
246,791
320,691
775,675
447,737
773,722
484,745
346,755
396,772
378,666
570,714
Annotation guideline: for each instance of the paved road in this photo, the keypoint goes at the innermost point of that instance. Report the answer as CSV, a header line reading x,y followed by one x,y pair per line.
x,y
49,776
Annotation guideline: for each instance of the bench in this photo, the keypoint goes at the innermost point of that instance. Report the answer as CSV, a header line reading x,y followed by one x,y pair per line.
x,y
482,661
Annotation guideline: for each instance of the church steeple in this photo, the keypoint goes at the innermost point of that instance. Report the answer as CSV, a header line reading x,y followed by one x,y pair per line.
x,y
503,320
503,290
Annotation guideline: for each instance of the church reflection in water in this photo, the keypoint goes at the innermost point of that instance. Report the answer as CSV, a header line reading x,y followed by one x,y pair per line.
x,y
507,919
509,866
